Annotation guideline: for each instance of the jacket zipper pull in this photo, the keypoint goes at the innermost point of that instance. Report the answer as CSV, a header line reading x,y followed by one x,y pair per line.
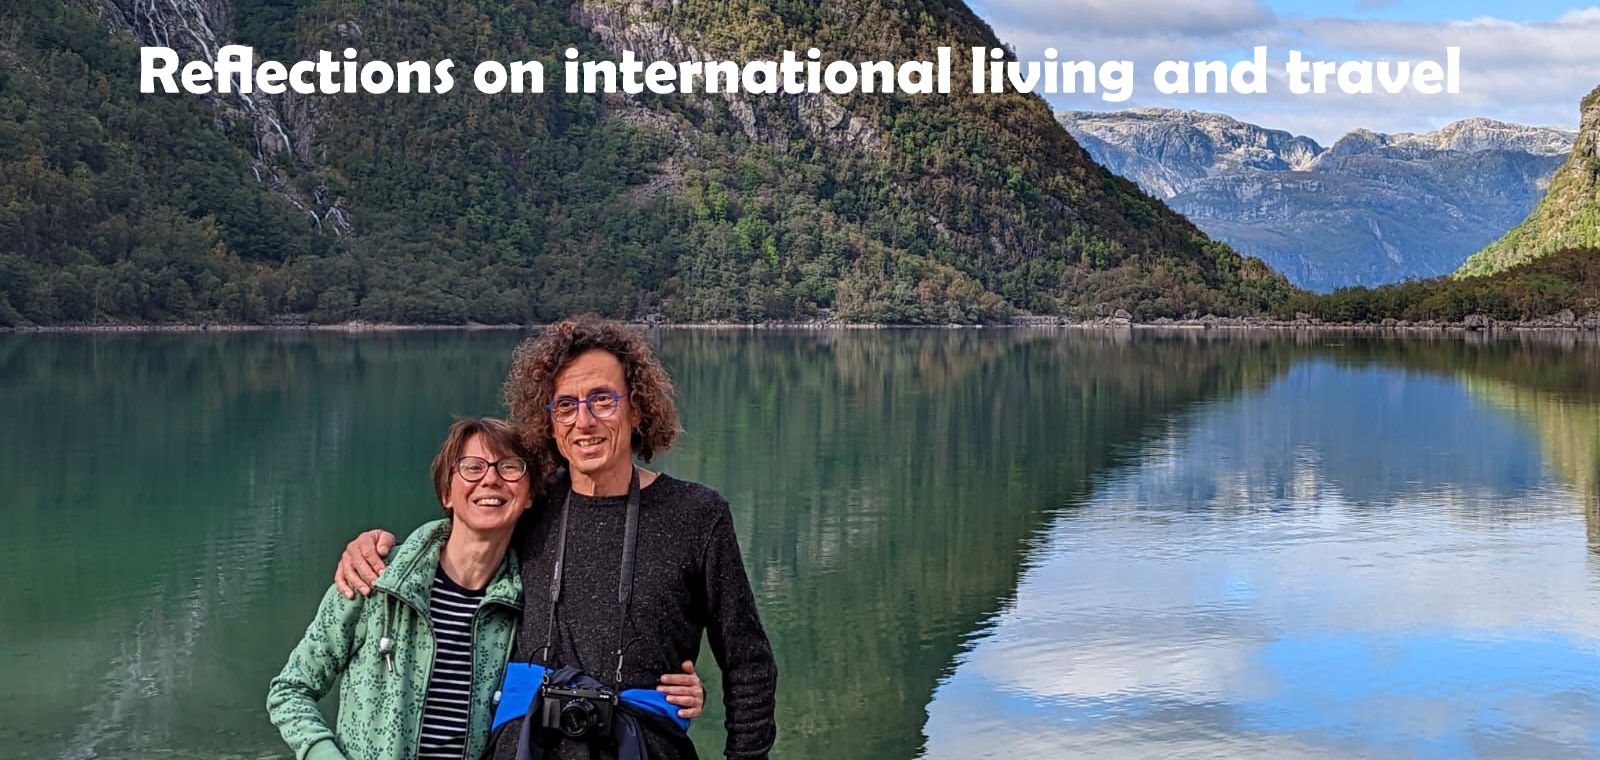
x,y
384,644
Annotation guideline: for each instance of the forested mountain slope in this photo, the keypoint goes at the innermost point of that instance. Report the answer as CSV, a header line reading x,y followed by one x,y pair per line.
x,y
1569,214
513,208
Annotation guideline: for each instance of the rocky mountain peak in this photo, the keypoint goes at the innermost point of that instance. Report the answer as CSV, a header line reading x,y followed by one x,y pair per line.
x,y
1372,208
1588,140
1356,142
1478,133
1178,147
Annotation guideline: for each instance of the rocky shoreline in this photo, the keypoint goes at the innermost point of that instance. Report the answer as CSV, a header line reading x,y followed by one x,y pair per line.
x,y
1564,320
219,327
1561,321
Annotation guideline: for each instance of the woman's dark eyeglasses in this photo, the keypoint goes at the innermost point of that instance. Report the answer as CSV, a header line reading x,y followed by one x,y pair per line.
x,y
602,405
472,469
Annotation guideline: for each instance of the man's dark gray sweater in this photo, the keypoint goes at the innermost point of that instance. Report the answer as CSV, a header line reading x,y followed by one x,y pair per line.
x,y
689,579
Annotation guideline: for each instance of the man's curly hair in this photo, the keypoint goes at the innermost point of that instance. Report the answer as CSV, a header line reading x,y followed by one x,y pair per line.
x,y
532,381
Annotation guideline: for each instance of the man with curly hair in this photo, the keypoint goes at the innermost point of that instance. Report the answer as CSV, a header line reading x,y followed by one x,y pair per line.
x,y
623,569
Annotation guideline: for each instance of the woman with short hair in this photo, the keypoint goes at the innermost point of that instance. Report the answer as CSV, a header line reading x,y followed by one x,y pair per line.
x,y
422,661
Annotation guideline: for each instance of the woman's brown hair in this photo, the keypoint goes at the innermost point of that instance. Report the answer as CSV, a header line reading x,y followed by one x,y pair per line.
x,y
532,381
498,436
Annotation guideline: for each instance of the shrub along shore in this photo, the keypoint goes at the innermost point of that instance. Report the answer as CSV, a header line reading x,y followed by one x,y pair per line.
x,y
1476,323
1560,291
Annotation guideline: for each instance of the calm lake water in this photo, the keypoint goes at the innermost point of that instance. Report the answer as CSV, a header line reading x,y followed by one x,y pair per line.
x,y
966,543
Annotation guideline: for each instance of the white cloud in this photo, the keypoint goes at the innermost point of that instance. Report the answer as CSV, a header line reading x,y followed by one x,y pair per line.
x,y
1522,72
1582,14
1483,41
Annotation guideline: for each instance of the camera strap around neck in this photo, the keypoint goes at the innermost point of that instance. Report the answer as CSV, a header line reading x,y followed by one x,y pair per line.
x,y
630,540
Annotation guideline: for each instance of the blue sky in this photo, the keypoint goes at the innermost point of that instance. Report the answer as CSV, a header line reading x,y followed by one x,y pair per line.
x,y
1526,63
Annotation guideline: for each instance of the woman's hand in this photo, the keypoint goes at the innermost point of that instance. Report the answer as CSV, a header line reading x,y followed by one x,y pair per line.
x,y
685,690
361,562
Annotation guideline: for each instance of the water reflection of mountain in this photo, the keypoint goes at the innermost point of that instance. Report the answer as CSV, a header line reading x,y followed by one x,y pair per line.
x,y
1568,431
1546,383
1373,435
1361,558
886,485
1378,435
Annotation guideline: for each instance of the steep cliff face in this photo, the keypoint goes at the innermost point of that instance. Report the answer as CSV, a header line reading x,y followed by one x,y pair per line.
x,y
637,27
1372,208
1569,214
198,29
117,205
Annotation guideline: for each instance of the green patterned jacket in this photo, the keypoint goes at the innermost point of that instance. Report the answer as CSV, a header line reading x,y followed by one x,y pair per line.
x,y
381,697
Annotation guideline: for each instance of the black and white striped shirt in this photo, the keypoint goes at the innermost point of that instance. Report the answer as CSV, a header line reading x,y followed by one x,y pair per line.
x,y
445,713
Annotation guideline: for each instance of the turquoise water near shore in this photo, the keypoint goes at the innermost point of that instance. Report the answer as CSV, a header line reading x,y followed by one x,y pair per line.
x,y
964,542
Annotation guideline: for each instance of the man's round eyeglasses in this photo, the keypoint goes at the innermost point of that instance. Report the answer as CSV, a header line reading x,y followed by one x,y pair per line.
x,y
472,469
602,405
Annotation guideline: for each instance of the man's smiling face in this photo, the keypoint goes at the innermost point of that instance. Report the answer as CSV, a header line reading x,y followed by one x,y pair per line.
x,y
598,450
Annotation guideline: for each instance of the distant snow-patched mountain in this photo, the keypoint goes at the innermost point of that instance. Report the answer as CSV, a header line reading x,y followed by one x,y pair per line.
x,y
1373,208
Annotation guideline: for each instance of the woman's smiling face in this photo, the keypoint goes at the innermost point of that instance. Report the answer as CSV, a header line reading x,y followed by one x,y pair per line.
x,y
492,503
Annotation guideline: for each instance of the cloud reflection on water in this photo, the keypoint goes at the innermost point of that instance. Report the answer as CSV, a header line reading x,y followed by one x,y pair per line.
x,y
1355,561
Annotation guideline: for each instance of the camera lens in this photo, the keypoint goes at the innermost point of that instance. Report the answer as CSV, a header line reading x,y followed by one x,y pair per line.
x,y
577,717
